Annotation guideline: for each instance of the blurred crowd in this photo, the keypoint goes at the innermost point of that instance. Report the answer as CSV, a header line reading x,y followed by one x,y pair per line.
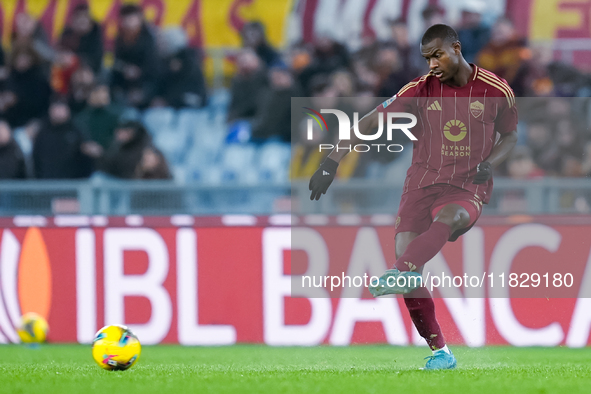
x,y
555,133
67,113
63,114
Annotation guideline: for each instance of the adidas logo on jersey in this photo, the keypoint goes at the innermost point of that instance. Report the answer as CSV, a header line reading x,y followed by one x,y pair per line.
x,y
325,172
435,106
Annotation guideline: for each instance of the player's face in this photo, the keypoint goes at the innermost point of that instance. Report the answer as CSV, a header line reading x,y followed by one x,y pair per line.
x,y
443,58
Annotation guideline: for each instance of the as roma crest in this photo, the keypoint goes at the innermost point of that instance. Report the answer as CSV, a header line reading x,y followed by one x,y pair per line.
x,y
476,108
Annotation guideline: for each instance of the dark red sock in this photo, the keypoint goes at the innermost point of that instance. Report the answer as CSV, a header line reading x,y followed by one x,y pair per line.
x,y
422,312
424,247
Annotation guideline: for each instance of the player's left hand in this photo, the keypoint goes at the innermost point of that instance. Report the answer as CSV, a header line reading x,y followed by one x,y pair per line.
x,y
484,173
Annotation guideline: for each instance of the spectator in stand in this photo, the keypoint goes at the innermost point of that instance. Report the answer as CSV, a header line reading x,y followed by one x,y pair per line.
x,y
586,163
28,32
433,14
100,118
570,167
4,70
181,82
567,80
306,157
367,54
556,152
365,76
473,33
343,82
135,70
27,91
127,149
299,57
152,165
522,166
58,148
328,56
254,37
64,65
391,72
506,55
538,81
83,37
365,100
413,63
12,160
247,88
539,138
81,84
569,137
324,95
568,148
273,119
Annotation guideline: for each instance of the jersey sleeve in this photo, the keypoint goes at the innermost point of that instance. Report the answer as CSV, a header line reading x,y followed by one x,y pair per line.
x,y
506,120
401,101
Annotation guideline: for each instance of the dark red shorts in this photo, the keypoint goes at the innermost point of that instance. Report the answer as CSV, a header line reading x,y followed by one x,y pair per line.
x,y
419,207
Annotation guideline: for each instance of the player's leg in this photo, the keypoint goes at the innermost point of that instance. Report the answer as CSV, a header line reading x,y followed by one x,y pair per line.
x,y
404,277
414,217
420,304
394,281
452,217
402,240
421,309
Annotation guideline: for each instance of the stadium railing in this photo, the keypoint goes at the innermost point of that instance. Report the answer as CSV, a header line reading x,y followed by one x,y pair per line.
x,y
365,197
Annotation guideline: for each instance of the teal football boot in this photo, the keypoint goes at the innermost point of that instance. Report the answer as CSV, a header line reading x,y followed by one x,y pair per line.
x,y
395,281
440,360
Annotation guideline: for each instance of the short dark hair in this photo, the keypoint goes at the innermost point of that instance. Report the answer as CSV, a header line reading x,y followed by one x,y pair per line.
x,y
444,32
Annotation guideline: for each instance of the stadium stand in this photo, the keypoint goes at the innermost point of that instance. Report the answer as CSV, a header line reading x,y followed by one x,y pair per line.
x,y
208,144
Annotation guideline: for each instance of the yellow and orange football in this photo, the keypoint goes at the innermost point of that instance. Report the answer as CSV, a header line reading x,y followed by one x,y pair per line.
x,y
116,348
33,328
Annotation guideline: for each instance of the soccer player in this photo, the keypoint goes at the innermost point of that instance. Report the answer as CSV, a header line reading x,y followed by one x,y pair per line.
x,y
466,126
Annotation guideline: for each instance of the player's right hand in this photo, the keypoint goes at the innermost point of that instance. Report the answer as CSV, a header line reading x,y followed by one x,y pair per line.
x,y
322,178
484,173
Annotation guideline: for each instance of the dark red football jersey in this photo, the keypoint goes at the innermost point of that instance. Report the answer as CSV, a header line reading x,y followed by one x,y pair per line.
x,y
456,128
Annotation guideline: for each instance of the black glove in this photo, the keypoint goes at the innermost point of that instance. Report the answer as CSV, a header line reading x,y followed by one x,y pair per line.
x,y
484,173
322,178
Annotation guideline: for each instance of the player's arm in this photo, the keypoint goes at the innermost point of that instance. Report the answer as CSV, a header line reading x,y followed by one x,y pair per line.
x,y
499,153
324,176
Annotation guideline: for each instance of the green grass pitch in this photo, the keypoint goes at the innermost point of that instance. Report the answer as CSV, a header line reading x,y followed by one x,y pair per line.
x,y
261,369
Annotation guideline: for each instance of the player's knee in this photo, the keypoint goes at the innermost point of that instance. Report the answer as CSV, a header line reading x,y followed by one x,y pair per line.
x,y
461,220
454,216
